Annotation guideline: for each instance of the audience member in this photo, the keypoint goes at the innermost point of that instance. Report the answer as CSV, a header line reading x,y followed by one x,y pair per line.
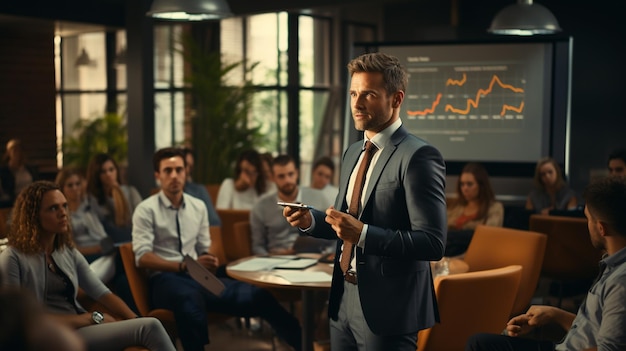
x,y
199,190
322,177
160,244
24,326
41,258
550,191
114,202
15,172
88,232
617,162
242,192
475,204
267,159
271,234
600,323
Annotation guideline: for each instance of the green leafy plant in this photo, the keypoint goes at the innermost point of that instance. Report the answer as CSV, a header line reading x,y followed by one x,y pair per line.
x,y
220,128
104,134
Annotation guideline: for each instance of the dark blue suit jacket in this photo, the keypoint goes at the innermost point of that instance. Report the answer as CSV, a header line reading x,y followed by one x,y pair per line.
x,y
405,208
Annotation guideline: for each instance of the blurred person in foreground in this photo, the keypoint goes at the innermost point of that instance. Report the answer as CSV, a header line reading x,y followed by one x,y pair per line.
x,y
41,258
600,323
382,291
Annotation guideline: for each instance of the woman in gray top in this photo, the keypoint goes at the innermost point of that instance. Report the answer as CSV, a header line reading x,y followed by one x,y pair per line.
x,y
41,258
550,190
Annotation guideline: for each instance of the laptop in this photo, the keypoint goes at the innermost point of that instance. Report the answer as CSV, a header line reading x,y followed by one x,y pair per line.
x,y
203,276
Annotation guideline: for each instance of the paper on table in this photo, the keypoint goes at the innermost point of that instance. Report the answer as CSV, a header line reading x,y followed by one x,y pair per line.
x,y
258,264
297,264
304,276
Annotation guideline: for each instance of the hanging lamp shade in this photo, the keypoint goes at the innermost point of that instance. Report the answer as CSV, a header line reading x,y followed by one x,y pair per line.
x,y
524,18
83,59
189,10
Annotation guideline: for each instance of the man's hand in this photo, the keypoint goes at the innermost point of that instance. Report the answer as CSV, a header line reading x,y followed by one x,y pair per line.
x,y
536,316
209,261
345,225
298,217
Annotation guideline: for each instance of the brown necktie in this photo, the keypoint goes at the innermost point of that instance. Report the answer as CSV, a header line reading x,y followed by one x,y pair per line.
x,y
355,200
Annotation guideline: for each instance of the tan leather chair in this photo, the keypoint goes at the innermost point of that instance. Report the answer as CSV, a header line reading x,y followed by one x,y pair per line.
x,y
470,303
495,247
5,213
138,282
213,190
233,245
217,245
569,255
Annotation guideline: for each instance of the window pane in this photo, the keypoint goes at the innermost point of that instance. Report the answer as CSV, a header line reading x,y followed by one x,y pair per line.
x,y
314,51
168,119
120,59
312,107
88,73
270,112
81,106
262,47
168,61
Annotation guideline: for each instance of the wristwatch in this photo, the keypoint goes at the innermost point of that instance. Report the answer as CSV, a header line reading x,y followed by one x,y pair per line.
x,y
97,317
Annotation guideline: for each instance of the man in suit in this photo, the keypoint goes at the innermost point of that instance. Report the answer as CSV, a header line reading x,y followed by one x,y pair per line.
x,y
385,295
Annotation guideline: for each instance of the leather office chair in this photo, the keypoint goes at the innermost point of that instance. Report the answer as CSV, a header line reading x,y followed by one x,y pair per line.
x,y
5,213
213,190
470,303
232,245
569,256
217,245
495,247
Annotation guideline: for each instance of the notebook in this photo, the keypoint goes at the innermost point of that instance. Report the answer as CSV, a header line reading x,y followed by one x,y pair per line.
x,y
203,276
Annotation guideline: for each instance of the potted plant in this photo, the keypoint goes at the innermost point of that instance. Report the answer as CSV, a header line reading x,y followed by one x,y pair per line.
x,y
220,129
104,134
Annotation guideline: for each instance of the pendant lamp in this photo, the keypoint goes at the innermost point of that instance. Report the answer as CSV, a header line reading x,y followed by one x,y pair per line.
x,y
524,18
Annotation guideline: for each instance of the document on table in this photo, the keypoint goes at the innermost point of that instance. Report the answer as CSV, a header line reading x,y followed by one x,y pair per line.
x,y
268,263
304,276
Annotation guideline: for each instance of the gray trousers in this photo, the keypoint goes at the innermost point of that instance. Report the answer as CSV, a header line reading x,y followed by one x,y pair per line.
x,y
147,332
350,331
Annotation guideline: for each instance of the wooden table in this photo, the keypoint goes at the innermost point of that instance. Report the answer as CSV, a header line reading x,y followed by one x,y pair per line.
x,y
268,279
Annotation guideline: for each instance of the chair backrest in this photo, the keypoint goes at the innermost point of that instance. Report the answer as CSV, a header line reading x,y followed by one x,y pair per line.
x,y
569,253
495,247
137,279
213,190
5,213
217,244
242,241
470,303
231,245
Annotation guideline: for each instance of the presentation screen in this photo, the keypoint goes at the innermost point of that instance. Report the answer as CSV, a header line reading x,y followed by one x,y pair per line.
x,y
505,104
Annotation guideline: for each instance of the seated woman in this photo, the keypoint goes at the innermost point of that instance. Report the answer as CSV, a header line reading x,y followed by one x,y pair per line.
x,y
475,204
550,191
114,202
88,231
41,258
242,192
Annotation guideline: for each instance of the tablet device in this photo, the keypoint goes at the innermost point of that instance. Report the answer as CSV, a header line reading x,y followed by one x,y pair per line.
x,y
294,205
203,276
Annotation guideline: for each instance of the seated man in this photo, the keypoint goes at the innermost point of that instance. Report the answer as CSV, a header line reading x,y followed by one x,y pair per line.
x,y
617,162
601,320
271,233
199,190
322,177
171,224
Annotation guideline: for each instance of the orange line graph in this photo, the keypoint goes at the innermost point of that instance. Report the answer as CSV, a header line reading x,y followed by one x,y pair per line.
x,y
506,107
482,92
428,110
451,81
